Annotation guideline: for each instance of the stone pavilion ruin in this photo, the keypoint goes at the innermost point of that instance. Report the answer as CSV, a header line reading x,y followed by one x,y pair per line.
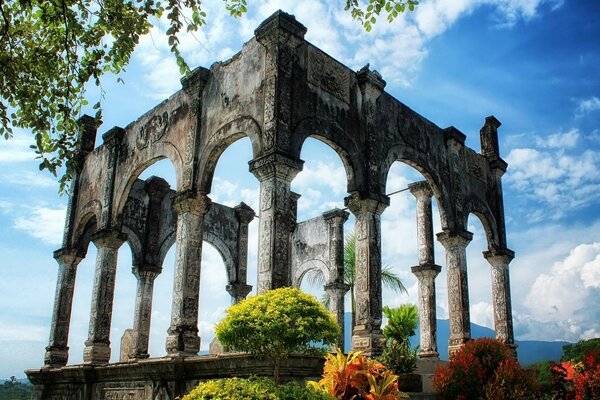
x,y
277,91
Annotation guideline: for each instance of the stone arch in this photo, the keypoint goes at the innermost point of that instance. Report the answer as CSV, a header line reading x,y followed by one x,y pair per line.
x,y
224,251
474,205
306,267
410,157
135,244
124,182
225,136
86,225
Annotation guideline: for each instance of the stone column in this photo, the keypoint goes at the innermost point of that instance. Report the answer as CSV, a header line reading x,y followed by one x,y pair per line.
x,y
426,271
97,346
277,218
238,291
143,308
238,287
503,323
57,352
183,339
458,287
367,335
336,292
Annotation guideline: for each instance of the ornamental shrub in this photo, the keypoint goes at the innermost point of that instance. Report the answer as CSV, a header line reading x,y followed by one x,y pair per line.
x,y
276,324
577,381
397,353
484,369
253,389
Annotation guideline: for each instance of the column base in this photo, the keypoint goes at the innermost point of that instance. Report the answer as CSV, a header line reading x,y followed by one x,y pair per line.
x,y
429,355
369,343
182,344
56,357
96,353
454,348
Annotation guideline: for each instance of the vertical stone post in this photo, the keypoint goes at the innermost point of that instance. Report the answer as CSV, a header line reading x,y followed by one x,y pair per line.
x,y
143,308
277,218
57,352
238,286
503,323
97,346
456,244
183,339
426,271
337,288
367,335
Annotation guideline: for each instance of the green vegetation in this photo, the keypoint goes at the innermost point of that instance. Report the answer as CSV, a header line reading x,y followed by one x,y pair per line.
x,y
402,323
50,51
15,390
576,352
276,324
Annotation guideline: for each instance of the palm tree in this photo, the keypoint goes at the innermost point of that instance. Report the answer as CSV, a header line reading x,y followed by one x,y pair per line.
x,y
389,278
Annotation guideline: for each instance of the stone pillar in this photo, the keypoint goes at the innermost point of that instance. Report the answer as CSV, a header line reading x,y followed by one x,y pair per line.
x,y
183,339
57,352
367,335
458,287
336,292
277,218
238,291
426,271
143,308
97,346
503,323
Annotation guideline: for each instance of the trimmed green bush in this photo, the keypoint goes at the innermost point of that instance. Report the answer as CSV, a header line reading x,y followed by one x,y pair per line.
x,y
253,389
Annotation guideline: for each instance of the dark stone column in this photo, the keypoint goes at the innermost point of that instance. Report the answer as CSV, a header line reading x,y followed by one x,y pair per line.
x,y
97,346
503,323
458,287
367,335
143,308
426,271
277,218
183,339
57,352
238,291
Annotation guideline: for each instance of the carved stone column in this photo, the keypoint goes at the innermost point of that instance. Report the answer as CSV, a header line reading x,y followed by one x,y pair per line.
x,y
57,352
238,287
426,271
458,287
143,308
97,346
183,339
367,335
503,323
277,218
336,292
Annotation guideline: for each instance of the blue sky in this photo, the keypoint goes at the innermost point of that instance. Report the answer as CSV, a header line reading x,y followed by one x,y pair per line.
x,y
531,63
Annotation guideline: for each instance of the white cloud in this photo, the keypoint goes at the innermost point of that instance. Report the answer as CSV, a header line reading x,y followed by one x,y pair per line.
x,y
43,223
482,313
587,106
29,179
564,140
17,148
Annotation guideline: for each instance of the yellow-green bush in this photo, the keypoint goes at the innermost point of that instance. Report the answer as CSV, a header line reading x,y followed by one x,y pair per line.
x,y
253,389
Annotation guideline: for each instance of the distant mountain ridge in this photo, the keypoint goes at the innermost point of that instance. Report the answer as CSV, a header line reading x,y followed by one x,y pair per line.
x,y
529,351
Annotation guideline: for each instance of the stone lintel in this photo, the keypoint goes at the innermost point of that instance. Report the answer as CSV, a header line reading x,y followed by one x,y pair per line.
x,y
451,133
195,80
244,213
359,203
108,238
454,239
426,269
421,189
336,213
113,135
282,22
370,81
498,166
191,202
276,164
150,270
238,289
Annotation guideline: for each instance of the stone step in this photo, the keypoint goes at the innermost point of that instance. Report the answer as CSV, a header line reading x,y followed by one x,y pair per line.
x,y
424,396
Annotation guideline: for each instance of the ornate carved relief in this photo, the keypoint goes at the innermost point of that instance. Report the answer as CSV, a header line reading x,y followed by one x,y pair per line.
x,y
328,74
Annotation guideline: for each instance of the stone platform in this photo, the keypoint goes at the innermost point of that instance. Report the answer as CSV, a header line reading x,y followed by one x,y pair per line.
x,y
158,378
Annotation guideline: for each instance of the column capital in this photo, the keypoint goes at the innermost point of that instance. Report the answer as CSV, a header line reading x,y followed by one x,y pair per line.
x,y
359,203
244,213
191,202
238,290
431,270
157,186
146,271
109,238
68,256
499,257
336,215
335,286
276,164
454,239
371,83
421,190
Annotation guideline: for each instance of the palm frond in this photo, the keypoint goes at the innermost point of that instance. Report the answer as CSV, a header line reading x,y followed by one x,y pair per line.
x,y
392,280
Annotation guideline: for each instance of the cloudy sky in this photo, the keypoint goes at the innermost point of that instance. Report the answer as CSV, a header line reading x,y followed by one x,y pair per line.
x,y
531,63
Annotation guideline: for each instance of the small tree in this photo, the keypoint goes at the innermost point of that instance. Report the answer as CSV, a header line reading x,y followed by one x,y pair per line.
x,y
276,324
402,323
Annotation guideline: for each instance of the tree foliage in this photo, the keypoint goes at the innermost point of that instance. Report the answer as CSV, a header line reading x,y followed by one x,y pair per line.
x,y
276,324
576,352
50,50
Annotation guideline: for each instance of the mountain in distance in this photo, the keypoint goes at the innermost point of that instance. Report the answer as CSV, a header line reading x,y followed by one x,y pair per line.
x,y
528,351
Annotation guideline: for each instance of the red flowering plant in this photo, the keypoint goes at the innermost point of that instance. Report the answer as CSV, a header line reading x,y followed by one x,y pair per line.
x,y
577,381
